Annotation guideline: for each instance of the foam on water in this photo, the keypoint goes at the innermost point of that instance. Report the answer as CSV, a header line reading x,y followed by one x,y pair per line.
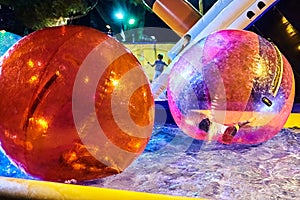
x,y
175,164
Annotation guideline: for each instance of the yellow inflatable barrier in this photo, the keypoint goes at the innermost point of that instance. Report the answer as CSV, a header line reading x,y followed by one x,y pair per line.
x,y
293,121
12,188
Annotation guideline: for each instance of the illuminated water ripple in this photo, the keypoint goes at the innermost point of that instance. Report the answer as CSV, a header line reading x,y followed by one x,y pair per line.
x,y
175,164
270,170
7,39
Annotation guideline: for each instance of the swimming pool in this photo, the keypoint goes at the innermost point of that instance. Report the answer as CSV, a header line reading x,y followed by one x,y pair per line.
x,y
175,164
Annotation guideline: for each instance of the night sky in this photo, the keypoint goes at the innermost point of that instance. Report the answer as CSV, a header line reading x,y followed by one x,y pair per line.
x,y
97,18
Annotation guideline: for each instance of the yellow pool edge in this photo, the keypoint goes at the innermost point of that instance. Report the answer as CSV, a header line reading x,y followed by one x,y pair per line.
x,y
13,188
293,121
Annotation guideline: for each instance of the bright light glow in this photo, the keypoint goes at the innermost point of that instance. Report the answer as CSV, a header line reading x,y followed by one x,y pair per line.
x,y
86,80
30,63
137,145
70,157
43,124
289,27
260,70
115,82
57,73
40,125
190,122
60,21
120,15
33,79
131,21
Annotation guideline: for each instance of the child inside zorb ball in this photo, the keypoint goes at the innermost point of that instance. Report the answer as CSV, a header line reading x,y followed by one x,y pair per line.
x,y
232,86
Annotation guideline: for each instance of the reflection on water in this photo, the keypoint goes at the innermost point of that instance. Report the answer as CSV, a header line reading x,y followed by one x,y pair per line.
x,y
178,165
8,169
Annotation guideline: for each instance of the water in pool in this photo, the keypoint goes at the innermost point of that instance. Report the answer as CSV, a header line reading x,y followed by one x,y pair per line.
x,y
175,164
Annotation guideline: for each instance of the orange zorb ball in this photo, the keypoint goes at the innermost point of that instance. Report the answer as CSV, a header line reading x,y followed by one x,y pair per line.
x,y
75,104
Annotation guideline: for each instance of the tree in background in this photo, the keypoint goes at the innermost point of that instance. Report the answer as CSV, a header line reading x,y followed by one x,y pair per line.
x,y
37,14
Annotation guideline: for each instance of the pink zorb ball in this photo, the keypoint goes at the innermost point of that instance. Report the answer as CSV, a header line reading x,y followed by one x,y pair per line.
x,y
232,86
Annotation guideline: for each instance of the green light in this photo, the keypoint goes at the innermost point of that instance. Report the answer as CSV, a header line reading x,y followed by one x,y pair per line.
x,y
120,15
131,21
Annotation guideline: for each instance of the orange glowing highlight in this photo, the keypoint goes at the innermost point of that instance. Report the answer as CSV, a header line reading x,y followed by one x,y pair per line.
x,y
86,80
115,82
41,124
30,63
33,79
57,73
